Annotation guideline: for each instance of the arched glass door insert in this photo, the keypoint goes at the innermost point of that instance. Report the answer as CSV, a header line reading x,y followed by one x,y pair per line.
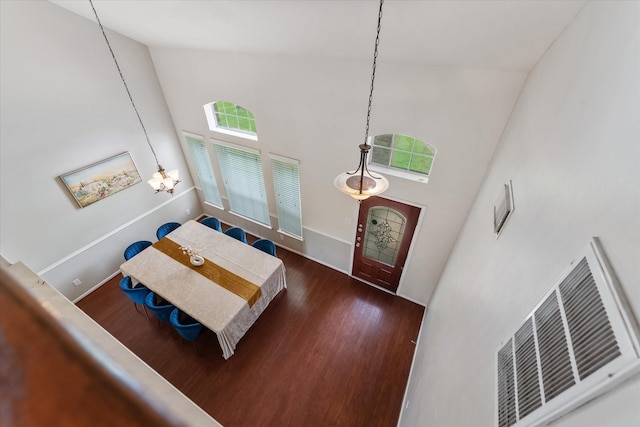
x,y
385,227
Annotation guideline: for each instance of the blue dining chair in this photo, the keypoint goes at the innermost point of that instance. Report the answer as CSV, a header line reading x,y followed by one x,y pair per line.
x,y
165,229
187,328
212,222
161,309
265,245
137,294
237,233
135,248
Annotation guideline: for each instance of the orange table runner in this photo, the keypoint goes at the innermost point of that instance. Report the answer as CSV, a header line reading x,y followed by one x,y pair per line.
x,y
212,271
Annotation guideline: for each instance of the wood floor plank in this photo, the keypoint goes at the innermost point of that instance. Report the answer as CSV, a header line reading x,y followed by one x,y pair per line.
x,y
328,351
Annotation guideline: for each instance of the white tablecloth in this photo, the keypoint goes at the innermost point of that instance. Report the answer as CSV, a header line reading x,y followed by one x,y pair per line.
x,y
218,309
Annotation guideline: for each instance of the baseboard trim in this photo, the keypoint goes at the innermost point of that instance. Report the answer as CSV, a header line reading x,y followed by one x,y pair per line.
x,y
96,287
405,404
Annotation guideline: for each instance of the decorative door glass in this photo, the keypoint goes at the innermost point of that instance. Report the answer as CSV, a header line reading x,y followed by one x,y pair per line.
x,y
385,227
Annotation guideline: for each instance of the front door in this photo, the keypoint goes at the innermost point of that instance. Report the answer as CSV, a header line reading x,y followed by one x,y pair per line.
x,y
385,230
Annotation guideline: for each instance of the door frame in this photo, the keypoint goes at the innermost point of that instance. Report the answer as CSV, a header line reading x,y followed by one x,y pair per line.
x,y
423,209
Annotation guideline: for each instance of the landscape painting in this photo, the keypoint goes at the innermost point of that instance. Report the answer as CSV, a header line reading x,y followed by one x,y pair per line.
x,y
102,179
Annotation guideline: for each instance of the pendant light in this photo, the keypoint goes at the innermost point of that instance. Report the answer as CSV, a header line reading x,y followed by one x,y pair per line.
x,y
362,184
160,180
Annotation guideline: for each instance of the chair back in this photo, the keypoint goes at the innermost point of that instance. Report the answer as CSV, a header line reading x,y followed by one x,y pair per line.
x,y
165,229
189,331
237,233
161,310
265,245
137,294
212,222
135,248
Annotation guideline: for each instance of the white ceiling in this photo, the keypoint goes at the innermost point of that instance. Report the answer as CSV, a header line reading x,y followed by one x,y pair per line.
x,y
502,34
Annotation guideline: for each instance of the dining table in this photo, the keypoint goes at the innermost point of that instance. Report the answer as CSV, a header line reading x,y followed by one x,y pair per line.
x,y
226,293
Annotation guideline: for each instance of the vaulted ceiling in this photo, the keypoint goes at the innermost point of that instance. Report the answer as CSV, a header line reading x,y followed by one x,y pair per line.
x,y
451,73
510,35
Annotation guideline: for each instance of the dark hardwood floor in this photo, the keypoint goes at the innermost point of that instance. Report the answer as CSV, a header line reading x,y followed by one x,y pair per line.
x,y
328,351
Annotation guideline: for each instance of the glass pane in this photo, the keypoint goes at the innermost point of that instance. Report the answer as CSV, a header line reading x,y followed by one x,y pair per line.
x,y
286,184
232,122
244,124
383,235
202,163
421,164
422,148
244,182
220,107
380,156
401,160
383,140
221,120
404,143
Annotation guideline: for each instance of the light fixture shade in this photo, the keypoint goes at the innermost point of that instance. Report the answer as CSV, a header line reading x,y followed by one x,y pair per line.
x,y
168,183
174,174
350,184
155,183
164,181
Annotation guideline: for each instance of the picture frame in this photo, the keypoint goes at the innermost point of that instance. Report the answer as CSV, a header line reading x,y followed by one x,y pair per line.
x,y
102,179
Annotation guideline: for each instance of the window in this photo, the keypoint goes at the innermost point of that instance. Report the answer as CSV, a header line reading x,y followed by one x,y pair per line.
x,y
202,164
286,184
232,119
241,170
402,156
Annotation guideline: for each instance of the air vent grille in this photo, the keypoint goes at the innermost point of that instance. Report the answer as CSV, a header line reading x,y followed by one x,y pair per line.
x,y
555,362
527,370
502,208
578,342
506,387
594,342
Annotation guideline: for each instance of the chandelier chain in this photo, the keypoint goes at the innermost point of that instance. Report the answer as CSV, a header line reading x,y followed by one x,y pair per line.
x,y
373,72
125,83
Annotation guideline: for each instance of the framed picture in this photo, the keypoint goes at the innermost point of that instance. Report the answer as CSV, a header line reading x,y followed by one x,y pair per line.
x,y
100,180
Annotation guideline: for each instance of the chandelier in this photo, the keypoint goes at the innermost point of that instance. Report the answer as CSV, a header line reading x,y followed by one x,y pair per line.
x,y
160,180
362,184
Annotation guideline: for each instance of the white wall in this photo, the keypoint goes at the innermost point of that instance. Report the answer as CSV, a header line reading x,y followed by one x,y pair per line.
x,y
314,109
572,150
63,106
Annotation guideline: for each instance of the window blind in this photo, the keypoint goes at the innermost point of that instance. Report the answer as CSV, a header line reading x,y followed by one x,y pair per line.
x,y
286,185
241,170
202,163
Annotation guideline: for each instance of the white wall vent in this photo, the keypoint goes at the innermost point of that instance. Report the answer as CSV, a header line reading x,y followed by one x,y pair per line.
x,y
577,343
502,208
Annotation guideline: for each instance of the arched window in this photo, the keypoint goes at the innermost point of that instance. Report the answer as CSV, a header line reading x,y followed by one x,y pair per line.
x,y
403,156
229,118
